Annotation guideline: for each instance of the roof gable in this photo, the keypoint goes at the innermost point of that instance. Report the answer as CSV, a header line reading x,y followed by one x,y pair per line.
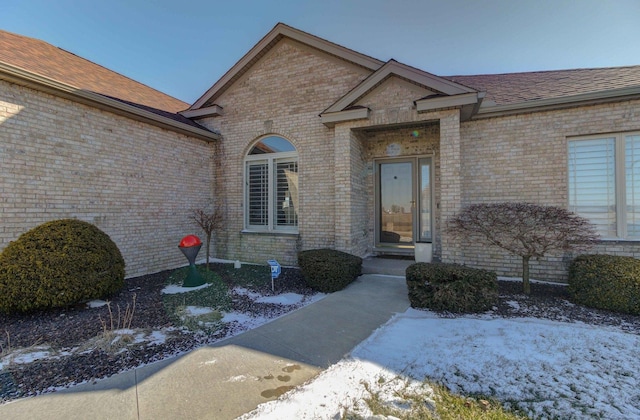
x,y
393,91
394,68
443,93
267,43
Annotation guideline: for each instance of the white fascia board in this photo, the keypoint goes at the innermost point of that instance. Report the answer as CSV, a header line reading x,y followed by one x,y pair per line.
x,y
23,77
331,118
429,104
210,111
562,102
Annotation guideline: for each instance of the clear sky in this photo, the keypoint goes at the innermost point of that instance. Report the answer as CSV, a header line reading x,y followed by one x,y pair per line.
x,y
184,47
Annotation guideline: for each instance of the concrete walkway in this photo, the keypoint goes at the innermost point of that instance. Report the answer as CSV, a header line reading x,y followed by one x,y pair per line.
x,y
232,377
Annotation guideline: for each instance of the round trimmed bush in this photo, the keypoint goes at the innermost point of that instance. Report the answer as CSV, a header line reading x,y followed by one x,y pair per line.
x,y
451,287
57,264
328,270
606,282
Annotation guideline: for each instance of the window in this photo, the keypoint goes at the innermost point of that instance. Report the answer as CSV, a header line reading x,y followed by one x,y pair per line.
x,y
271,186
604,183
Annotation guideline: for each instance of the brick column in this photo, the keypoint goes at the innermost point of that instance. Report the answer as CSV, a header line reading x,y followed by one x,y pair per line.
x,y
342,177
451,181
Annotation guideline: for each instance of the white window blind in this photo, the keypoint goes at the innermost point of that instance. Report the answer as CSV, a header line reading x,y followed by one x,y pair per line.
x,y
604,183
258,193
632,177
286,202
592,187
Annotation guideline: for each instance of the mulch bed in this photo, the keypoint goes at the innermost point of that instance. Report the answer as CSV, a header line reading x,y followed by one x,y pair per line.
x,y
69,327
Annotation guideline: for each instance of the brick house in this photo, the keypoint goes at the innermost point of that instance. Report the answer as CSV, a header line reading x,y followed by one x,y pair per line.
x,y
308,144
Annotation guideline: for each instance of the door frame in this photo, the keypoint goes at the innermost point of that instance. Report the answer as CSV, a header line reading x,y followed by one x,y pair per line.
x,y
415,181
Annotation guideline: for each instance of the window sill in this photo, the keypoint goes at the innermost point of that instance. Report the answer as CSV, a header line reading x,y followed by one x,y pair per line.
x,y
618,240
268,232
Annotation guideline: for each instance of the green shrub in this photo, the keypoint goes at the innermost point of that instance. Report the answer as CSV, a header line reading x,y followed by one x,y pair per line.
x,y
59,263
328,270
606,282
451,287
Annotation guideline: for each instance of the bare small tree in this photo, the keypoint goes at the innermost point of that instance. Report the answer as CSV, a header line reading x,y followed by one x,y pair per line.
x,y
524,229
209,222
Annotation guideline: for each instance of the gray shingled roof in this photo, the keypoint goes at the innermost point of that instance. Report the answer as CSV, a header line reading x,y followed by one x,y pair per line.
x,y
510,88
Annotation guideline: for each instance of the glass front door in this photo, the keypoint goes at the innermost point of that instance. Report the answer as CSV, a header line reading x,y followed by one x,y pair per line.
x,y
397,203
404,202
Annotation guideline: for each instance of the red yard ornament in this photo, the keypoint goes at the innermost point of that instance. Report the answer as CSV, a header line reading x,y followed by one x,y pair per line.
x,y
190,246
190,240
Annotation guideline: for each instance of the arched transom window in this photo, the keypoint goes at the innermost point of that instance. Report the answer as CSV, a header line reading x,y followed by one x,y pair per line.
x,y
271,186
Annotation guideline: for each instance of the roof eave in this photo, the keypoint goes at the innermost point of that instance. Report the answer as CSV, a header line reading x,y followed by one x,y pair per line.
x,y
469,103
210,111
591,98
23,77
329,119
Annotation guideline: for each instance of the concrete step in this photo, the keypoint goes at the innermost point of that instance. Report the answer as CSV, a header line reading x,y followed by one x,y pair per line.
x,y
392,266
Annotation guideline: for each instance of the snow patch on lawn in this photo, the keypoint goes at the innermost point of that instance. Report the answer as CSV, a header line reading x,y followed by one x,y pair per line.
x,y
31,354
155,338
246,292
96,303
284,299
197,310
174,288
549,369
340,388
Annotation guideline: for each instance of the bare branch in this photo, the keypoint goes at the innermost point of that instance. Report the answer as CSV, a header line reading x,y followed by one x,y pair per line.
x,y
524,229
210,222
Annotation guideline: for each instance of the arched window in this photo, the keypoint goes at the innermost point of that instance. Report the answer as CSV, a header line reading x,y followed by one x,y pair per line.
x,y
271,186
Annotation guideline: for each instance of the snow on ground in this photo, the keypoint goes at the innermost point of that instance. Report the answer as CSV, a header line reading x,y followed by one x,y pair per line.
x,y
246,321
549,369
283,299
31,354
96,303
191,310
246,292
336,389
174,288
